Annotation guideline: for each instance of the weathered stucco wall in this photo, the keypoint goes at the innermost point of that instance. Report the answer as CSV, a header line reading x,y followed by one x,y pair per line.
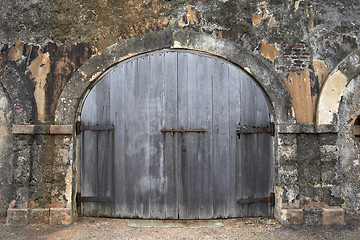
x,y
6,153
349,151
303,54
302,40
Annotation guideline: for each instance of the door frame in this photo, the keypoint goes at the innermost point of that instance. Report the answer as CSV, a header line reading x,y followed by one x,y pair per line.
x,y
195,53
71,99
139,56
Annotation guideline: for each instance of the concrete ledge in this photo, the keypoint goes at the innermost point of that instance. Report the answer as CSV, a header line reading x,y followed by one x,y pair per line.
x,y
60,216
292,216
312,215
17,217
39,216
42,129
61,129
333,216
306,128
52,216
23,129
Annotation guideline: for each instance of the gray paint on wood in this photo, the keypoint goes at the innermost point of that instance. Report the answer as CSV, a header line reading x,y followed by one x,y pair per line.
x,y
154,174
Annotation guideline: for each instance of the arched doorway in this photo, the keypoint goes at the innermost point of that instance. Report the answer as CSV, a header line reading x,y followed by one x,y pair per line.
x,y
176,134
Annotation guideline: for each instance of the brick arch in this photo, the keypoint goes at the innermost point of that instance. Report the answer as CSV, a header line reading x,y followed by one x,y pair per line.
x,y
333,89
19,93
92,70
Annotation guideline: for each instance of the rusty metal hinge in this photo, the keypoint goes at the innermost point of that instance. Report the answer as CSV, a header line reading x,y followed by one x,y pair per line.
x,y
272,128
78,127
244,129
78,202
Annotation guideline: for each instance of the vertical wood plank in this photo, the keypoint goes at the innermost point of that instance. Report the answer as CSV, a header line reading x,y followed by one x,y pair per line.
x,y
264,166
104,151
203,110
141,135
220,139
169,121
156,141
89,176
247,118
129,133
183,170
234,156
118,118
190,162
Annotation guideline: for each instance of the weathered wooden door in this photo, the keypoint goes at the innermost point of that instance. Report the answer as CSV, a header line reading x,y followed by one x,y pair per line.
x,y
176,135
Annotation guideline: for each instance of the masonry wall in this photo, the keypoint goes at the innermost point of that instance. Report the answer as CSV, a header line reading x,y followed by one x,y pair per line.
x,y
7,160
303,53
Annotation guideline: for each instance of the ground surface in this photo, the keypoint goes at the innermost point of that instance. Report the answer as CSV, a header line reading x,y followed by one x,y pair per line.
x,y
102,228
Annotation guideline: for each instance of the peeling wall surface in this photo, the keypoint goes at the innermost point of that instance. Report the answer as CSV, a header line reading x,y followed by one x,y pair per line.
x,y
349,148
6,153
304,54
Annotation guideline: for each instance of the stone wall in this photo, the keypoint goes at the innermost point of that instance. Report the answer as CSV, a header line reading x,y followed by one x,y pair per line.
x,y
303,53
349,148
309,178
7,173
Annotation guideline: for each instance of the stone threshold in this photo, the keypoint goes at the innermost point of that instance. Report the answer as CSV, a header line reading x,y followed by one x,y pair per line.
x,y
141,223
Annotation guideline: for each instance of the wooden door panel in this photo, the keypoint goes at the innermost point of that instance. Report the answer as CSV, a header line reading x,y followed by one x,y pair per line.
x,y
118,118
97,155
235,79
169,160
154,174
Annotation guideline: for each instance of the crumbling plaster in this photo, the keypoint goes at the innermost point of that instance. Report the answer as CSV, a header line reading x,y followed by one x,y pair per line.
x,y
6,152
348,147
334,87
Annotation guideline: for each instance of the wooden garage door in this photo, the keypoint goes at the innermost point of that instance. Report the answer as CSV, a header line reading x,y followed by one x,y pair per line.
x,y
176,135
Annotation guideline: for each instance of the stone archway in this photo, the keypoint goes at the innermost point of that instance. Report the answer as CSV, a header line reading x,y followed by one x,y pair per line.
x,y
337,109
334,87
90,72
87,76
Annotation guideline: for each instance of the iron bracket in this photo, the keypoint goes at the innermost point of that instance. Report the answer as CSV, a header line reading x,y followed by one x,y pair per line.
x,y
96,199
78,127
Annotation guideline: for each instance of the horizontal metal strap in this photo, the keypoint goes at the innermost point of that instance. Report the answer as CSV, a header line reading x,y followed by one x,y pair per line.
x,y
254,130
97,128
96,199
182,131
270,199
